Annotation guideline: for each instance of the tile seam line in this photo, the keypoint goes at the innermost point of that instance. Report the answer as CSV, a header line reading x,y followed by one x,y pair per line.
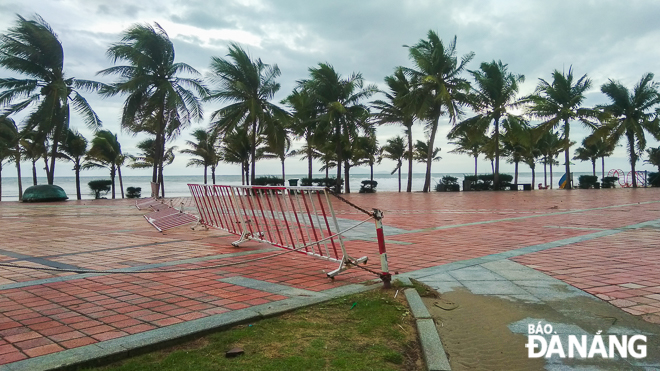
x,y
523,250
130,270
522,218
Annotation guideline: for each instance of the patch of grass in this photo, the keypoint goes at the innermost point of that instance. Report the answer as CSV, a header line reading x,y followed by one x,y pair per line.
x,y
368,331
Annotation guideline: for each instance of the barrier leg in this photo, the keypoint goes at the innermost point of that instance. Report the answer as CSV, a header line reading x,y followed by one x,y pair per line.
x,y
385,275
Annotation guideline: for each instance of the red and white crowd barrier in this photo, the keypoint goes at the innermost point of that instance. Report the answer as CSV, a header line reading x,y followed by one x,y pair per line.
x,y
294,218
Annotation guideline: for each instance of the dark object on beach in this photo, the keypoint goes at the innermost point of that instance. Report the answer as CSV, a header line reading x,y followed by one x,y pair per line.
x,y
235,352
133,192
268,181
44,193
588,181
610,181
98,186
368,186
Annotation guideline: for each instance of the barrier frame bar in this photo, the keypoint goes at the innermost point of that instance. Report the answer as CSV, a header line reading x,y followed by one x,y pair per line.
x,y
259,213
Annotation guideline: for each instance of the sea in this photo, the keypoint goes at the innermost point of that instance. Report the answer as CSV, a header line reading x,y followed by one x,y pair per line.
x,y
177,185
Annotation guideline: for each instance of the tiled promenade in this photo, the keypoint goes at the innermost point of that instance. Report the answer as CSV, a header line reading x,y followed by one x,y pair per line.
x,y
604,242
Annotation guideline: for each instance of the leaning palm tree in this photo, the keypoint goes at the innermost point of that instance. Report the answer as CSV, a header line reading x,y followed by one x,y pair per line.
x,y
75,148
492,98
248,85
592,149
395,149
303,122
560,102
632,115
421,153
32,48
104,153
343,115
654,157
203,150
399,108
471,139
158,101
438,86
10,141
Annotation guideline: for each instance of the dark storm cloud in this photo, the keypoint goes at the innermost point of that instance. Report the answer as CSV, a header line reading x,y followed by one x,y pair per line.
x,y
604,39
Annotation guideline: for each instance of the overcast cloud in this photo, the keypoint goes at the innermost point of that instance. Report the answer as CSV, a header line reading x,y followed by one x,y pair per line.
x,y
604,39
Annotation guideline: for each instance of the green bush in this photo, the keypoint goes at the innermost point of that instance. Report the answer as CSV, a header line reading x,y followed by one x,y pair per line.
x,y
268,181
472,178
587,181
610,181
100,186
654,179
449,180
133,192
319,182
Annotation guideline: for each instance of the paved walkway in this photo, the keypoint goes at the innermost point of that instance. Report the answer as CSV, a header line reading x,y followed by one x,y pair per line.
x,y
601,241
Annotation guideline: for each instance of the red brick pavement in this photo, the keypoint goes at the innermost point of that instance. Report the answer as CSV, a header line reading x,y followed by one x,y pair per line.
x,y
42,318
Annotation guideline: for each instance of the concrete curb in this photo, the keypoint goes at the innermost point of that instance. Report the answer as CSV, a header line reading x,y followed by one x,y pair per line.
x,y
132,345
432,349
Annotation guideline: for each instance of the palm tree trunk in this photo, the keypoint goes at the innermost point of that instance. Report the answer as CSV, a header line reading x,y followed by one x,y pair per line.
x,y
533,177
213,174
593,166
34,172
283,175
112,177
496,176
160,180
410,159
545,172
326,171
309,157
254,151
515,173
475,165
400,176
371,165
0,180
633,157
429,155
242,173
602,159
347,185
567,156
492,168
76,168
46,167
205,169
59,125
121,182
18,172
551,160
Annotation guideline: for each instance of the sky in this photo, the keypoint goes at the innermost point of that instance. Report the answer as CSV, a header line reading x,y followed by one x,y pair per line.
x,y
604,39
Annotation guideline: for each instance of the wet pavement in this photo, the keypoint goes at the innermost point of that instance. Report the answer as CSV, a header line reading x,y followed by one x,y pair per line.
x,y
517,246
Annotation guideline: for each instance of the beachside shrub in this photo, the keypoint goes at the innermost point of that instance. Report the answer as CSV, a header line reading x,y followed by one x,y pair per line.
x,y
610,181
587,181
472,178
449,180
100,186
654,179
268,181
133,192
368,186
319,182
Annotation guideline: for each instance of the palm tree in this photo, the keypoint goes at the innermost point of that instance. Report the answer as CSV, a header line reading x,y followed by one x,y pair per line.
x,y
560,103
421,153
367,152
631,115
470,139
35,147
303,123
248,85
438,85
399,108
550,146
75,148
592,149
203,148
278,143
105,152
158,101
492,98
11,148
343,115
654,157
145,159
395,149
32,48
237,149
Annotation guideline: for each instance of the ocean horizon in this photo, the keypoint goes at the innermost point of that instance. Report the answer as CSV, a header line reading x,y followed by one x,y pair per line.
x,y
177,185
